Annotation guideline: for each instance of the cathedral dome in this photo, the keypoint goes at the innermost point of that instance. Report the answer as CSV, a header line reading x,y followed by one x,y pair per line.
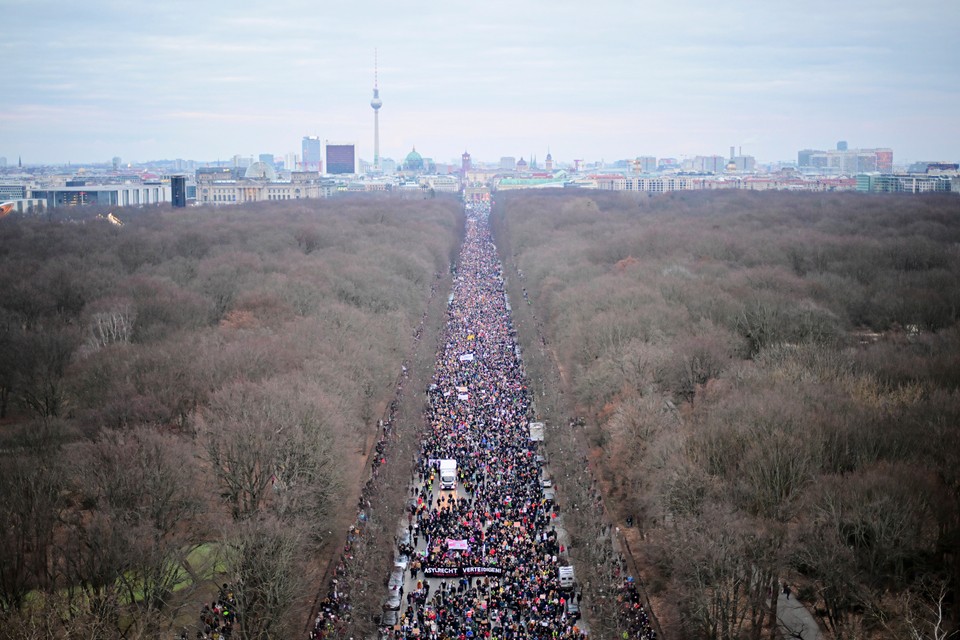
x,y
413,161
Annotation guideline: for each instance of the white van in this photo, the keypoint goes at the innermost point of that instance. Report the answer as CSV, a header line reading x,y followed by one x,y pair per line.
x,y
448,474
566,577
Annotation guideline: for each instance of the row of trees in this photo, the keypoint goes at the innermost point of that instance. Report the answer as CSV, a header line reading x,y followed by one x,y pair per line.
x,y
191,396
770,384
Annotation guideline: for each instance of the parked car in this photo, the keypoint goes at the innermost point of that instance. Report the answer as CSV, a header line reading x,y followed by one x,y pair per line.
x,y
392,603
395,583
389,618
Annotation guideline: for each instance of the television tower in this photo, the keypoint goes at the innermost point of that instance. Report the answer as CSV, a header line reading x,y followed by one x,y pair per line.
x,y
376,103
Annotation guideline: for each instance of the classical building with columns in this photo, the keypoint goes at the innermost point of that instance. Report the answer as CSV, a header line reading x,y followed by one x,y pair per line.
x,y
258,184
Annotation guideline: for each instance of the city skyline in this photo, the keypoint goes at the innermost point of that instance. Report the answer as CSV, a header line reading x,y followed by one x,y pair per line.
x,y
202,82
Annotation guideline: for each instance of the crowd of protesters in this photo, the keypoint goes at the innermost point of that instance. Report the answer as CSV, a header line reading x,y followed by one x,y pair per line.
x,y
483,558
633,612
218,618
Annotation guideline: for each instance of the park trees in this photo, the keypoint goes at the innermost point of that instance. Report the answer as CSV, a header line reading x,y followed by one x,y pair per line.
x,y
270,449
777,366
204,380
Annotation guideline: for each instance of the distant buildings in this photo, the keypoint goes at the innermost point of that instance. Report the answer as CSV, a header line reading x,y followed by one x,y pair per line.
x,y
120,195
12,192
242,162
312,155
907,183
845,161
646,164
225,187
745,164
341,158
326,169
388,166
708,164
442,183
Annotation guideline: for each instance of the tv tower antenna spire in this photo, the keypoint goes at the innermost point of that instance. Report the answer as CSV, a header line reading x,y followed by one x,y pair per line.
x,y
376,103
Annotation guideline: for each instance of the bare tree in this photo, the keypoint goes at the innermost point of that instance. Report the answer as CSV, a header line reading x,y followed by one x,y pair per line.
x,y
270,449
712,562
923,613
43,357
133,525
266,560
31,500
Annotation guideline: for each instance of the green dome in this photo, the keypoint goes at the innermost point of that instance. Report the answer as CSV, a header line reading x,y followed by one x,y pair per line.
x,y
413,161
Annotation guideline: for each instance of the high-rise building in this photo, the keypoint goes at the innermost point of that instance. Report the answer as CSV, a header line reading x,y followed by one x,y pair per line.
x,y
178,188
312,154
508,163
842,145
291,162
375,104
341,158
266,158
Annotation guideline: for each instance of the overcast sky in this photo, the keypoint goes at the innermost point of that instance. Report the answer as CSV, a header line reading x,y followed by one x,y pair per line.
x,y
608,79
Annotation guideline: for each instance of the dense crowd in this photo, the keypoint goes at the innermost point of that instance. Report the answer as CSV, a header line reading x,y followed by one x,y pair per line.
x,y
633,612
499,524
483,560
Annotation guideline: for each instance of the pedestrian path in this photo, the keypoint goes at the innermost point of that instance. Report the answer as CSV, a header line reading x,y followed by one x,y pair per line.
x,y
795,620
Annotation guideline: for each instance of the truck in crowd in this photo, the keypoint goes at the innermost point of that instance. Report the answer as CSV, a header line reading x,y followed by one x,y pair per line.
x,y
448,474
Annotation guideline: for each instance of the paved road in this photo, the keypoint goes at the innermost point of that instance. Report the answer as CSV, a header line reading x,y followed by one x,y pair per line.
x,y
795,620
